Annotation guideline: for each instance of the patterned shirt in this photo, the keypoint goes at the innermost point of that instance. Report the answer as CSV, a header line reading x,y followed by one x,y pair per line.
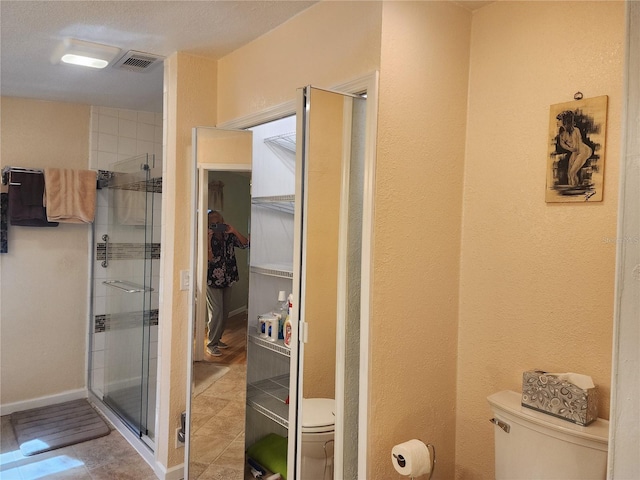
x,y
222,270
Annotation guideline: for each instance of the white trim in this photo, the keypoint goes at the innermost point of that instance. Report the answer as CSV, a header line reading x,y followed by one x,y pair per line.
x,y
342,300
286,109
625,382
225,167
235,312
174,473
191,320
67,396
297,348
366,282
274,113
199,281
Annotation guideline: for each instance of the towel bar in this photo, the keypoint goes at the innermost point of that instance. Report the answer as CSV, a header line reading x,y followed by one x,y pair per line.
x,y
6,174
128,287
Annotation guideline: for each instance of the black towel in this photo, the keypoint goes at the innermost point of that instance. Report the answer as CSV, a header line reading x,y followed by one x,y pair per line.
x,y
31,191
4,214
25,200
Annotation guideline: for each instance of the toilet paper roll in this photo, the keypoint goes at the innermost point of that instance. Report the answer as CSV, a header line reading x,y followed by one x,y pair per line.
x,y
411,458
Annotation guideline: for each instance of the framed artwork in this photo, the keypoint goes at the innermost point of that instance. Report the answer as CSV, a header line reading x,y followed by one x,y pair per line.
x,y
575,164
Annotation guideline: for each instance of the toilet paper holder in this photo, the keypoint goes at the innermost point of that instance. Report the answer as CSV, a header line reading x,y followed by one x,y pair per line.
x,y
432,455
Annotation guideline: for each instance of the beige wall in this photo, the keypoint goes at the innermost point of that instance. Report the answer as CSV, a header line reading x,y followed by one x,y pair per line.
x,y
190,88
439,265
423,100
536,280
528,298
44,306
330,43
419,180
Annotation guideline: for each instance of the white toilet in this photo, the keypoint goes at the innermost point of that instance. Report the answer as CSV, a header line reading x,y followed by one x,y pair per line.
x,y
534,445
318,425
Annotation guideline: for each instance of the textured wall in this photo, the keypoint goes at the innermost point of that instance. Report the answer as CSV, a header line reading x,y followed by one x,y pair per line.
x,y
537,279
328,44
190,88
419,181
44,275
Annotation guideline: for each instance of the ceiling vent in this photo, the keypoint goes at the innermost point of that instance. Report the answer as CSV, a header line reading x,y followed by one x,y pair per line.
x,y
138,61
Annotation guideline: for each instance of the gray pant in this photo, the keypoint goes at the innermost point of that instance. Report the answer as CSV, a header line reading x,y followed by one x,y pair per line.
x,y
217,313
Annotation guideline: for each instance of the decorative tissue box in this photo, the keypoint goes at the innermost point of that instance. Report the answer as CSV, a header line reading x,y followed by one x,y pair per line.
x,y
569,396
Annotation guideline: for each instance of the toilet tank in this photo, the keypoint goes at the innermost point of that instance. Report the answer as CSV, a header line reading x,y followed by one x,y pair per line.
x,y
538,446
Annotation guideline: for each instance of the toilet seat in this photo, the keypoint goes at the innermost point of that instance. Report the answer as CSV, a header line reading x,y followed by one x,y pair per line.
x,y
318,415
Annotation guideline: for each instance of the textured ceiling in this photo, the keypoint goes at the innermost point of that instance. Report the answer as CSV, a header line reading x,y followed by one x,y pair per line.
x,y
31,30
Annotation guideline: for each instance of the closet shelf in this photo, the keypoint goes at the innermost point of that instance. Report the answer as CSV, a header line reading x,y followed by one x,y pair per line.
x,y
286,141
282,203
269,398
282,271
277,346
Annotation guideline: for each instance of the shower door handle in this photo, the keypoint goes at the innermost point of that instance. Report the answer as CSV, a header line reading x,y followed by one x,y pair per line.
x,y
105,262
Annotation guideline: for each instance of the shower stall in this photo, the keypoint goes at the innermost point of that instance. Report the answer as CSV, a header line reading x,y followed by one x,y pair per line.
x,y
124,319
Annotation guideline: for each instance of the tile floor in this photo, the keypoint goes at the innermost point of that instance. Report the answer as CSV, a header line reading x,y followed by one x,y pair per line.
x,y
218,413
217,428
217,448
107,458
217,445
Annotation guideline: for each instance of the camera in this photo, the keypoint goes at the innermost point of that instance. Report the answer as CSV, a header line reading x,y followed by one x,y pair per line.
x,y
218,227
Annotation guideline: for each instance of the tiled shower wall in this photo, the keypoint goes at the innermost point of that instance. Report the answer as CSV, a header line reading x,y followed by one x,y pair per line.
x,y
117,135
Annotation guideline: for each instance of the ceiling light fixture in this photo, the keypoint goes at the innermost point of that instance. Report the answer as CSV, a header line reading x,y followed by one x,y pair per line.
x,y
86,54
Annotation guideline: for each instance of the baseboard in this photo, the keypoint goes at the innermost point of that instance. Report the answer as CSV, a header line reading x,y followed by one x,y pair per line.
x,y
174,473
67,396
242,309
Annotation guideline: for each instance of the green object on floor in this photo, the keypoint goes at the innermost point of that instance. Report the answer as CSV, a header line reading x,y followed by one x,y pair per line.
x,y
271,453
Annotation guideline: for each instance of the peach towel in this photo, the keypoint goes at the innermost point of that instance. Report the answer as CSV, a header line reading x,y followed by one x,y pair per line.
x,y
70,195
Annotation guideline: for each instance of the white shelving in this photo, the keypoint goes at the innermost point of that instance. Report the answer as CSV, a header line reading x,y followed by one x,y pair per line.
x,y
282,271
286,141
283,203
276,346
270,397
270,271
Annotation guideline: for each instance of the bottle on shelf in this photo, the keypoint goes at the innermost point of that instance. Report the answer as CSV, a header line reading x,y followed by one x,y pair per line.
x,y
280,312
287,323
272,328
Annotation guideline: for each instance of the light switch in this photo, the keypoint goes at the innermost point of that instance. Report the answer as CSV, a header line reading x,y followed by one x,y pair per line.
x,y
184,279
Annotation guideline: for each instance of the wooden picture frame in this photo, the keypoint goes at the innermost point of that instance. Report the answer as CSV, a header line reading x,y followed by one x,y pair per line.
x,y
575,163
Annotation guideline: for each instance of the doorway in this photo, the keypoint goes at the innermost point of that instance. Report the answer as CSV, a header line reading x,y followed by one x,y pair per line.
x,y
218,383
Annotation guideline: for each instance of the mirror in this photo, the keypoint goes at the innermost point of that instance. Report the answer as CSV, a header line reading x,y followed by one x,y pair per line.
x,y
307,197
215,416
332,186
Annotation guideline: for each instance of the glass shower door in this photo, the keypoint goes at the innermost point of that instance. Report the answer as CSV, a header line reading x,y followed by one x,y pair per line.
x,y
129,376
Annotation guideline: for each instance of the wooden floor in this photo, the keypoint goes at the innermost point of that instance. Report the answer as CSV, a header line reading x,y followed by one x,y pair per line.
x,y
235,335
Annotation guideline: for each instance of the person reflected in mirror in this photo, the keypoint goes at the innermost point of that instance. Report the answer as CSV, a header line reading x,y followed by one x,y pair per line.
x,y
222,273
570,139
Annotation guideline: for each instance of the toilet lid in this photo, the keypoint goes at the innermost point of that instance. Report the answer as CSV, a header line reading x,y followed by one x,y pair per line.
x,y
318,414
